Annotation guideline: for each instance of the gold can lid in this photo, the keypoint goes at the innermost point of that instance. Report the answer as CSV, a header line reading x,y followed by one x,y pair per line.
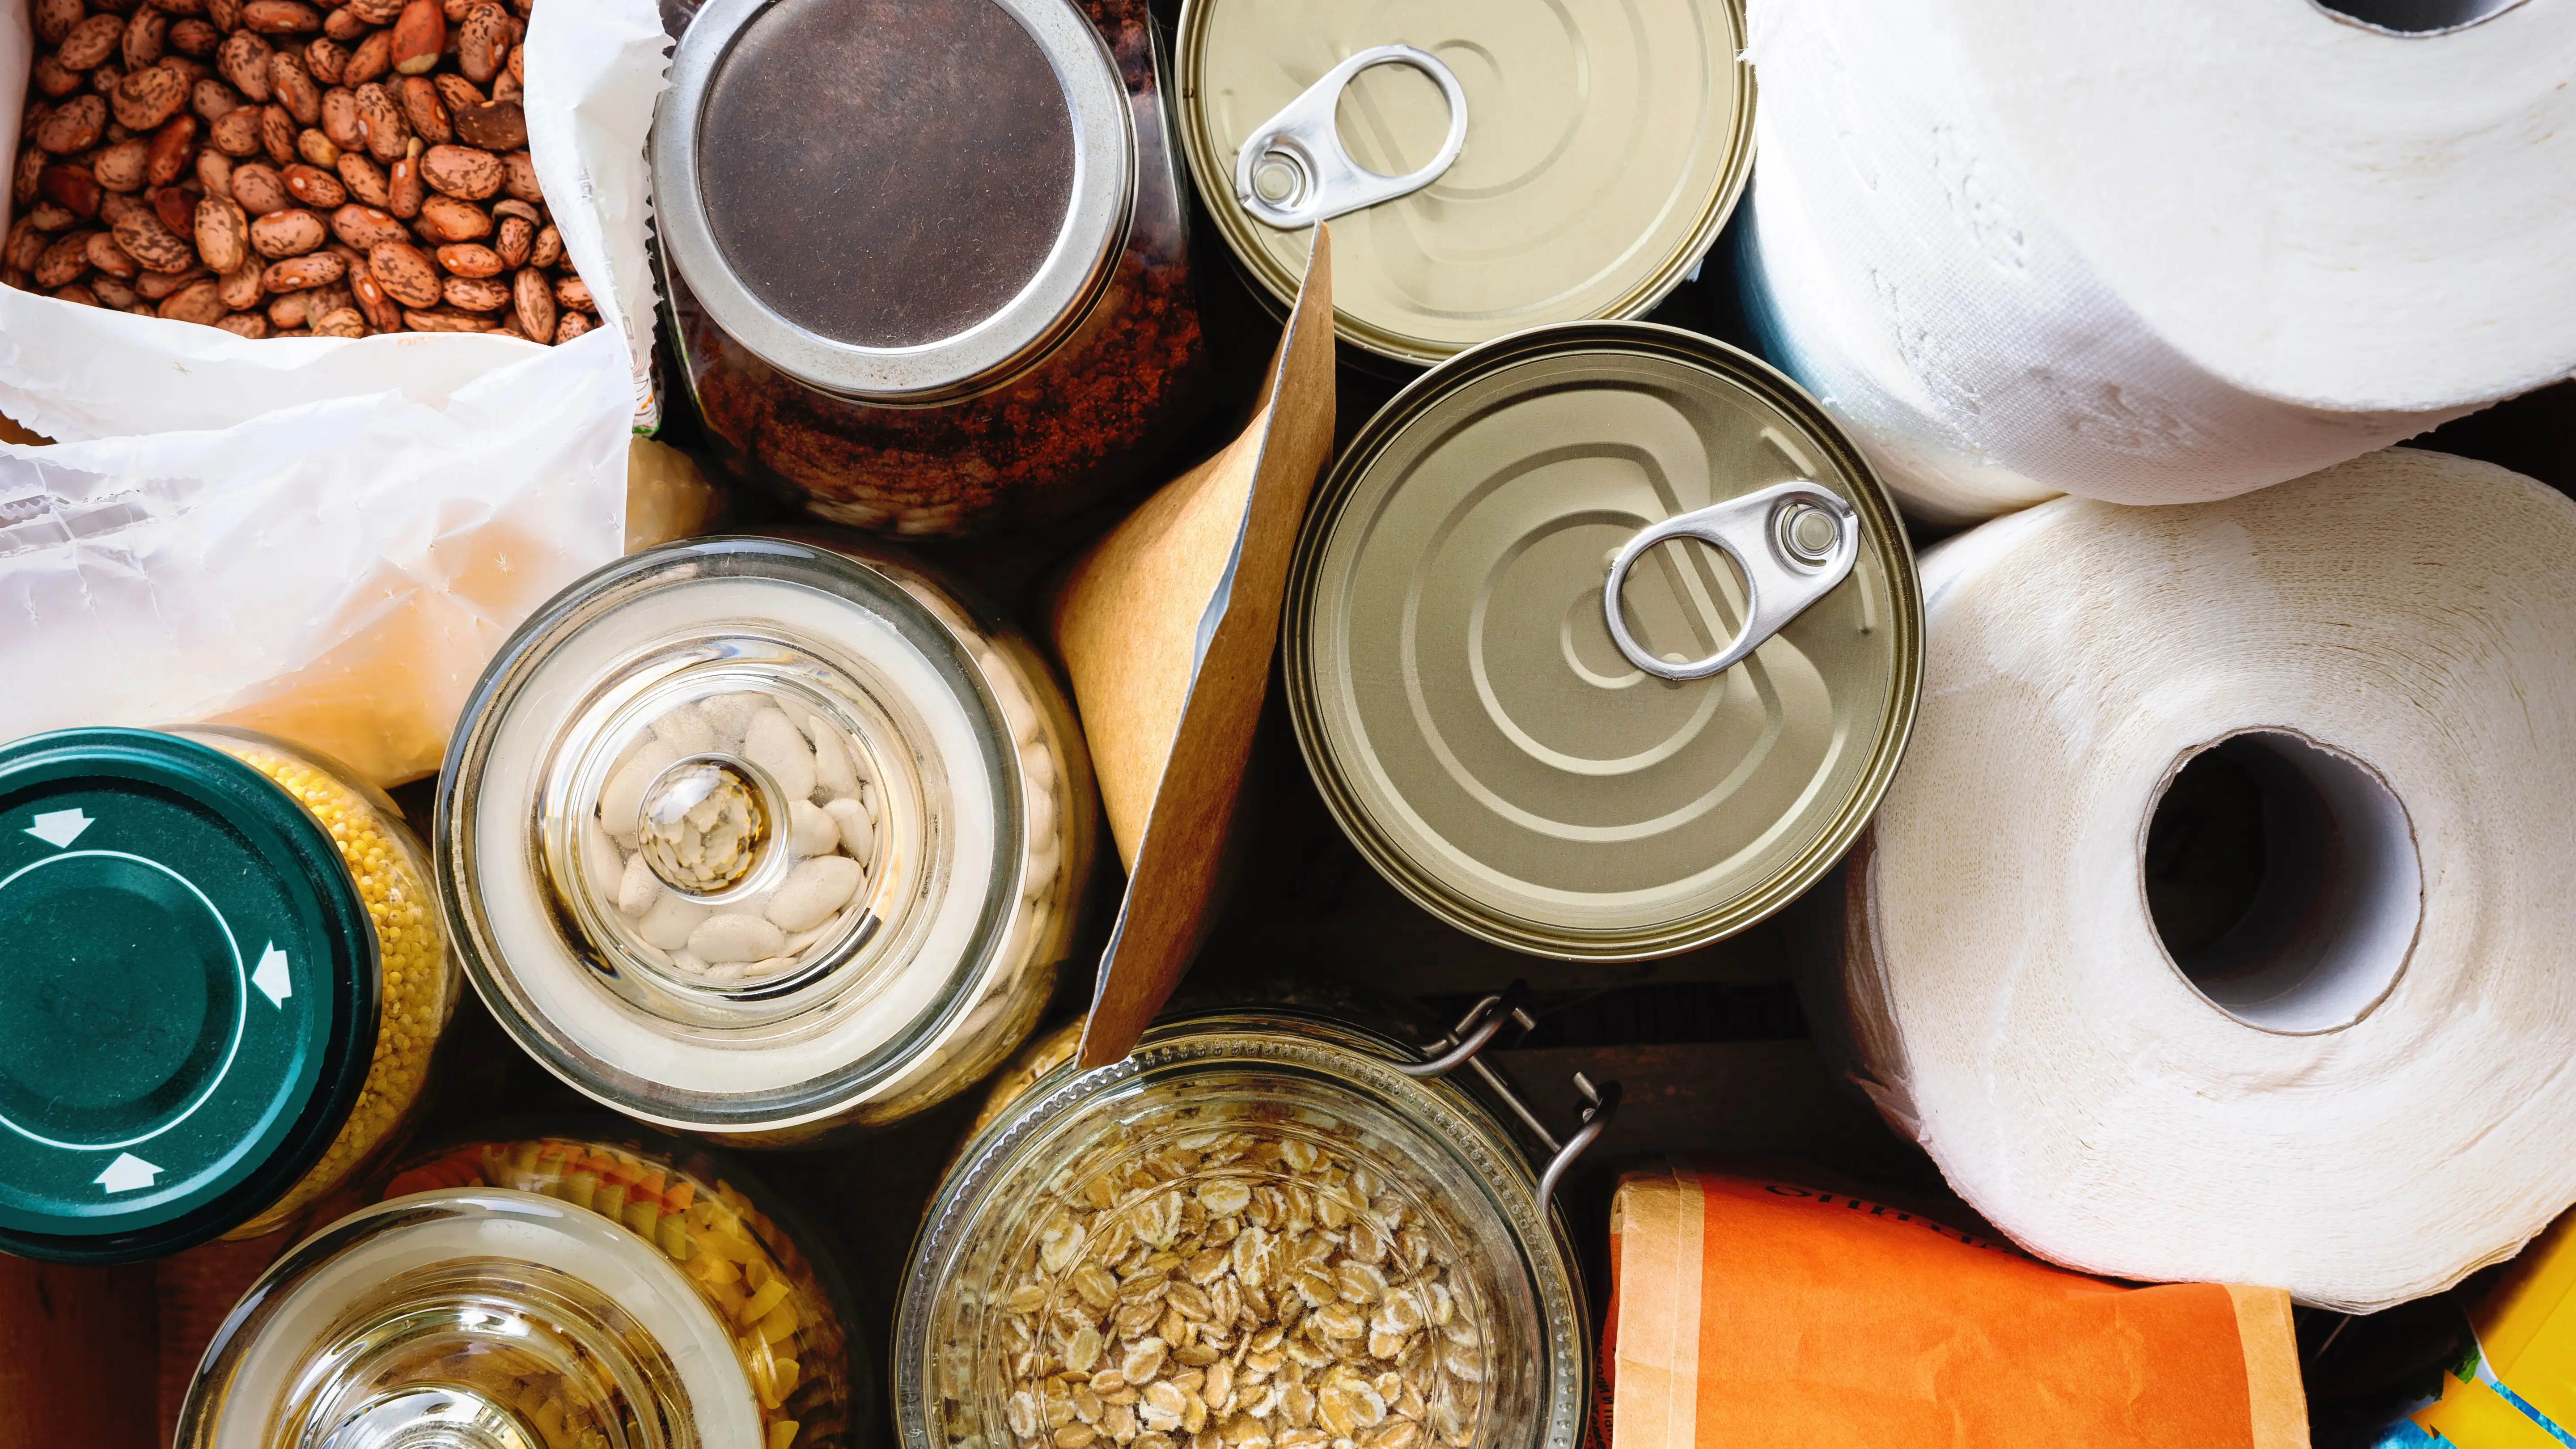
x,y
1603,149
1460,696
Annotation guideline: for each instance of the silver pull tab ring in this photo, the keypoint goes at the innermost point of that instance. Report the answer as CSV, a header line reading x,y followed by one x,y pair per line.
x,y
1298,153
1794,541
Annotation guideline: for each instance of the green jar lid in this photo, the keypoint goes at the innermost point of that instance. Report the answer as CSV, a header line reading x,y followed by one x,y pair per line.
x,y
188,994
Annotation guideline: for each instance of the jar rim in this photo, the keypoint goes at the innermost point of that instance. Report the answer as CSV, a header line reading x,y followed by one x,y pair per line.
x,y
972,936
1298,1045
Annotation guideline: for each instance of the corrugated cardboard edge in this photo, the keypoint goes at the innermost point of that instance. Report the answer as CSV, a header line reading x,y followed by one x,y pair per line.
x,y
1113,624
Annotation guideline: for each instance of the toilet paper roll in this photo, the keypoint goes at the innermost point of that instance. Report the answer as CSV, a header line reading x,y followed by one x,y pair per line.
x,y
2356,1081
2159,253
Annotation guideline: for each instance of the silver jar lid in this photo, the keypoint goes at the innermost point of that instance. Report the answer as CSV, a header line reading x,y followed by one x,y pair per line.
x,y
894,204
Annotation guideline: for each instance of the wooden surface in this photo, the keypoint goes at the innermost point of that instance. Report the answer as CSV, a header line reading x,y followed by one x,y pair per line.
x,y
77,1353
1709,1045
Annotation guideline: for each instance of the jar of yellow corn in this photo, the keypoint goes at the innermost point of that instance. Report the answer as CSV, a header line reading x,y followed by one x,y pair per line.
x,y
668,1308
225,978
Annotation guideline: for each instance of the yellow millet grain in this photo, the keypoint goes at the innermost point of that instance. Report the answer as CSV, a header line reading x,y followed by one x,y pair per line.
x,y
420,979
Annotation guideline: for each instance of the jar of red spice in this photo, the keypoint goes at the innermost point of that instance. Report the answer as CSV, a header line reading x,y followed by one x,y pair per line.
x,y
927,262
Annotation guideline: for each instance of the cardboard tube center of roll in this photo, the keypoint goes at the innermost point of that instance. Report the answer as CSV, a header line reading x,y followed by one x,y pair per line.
x,y
2416,17
2282,881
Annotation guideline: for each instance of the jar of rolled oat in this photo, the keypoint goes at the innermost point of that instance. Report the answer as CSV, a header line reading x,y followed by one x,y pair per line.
x,y
766,837
221,985
1262,1230
598,1289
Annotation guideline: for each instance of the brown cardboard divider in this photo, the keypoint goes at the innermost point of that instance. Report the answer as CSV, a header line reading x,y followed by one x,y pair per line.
x,y
1166,628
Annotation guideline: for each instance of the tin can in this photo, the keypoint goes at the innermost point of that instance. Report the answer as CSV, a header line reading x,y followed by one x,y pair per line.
x,y
1486,167
766,837
928,263
1263,1221
1531,698
222,982
530,1288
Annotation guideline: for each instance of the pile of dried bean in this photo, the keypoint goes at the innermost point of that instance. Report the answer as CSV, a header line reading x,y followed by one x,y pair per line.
x,y
282,168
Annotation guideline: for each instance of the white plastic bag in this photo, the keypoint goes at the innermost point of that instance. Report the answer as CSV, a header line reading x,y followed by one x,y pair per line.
x,y
327,537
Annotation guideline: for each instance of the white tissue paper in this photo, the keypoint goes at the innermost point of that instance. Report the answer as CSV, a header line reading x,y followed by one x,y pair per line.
x,y
2360,1093
2154,254
327,537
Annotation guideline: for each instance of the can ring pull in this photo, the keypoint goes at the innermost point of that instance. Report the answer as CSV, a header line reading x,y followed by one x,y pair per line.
x,y
1470,1036
1794,542
1293,172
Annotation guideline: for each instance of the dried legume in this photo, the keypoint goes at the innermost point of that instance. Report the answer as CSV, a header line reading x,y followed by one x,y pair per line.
x,y
419,976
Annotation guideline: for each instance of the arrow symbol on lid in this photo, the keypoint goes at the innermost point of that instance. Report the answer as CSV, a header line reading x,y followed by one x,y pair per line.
x,y
270,976
59,828
127,1173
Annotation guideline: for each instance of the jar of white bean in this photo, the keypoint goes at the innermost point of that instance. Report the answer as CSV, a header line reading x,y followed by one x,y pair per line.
x,y
766,837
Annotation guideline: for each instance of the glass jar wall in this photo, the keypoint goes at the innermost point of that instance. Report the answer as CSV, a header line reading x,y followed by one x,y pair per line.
x,y
766,837
1257,1228
420,979
673,1308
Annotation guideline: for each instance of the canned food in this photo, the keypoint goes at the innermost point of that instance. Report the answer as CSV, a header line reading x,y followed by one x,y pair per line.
x,y
928,262
471,1309
220,988
1537,706
1486,167
765,837
1262,1224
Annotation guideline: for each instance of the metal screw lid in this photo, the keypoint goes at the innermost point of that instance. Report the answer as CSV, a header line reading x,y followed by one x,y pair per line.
x,y
188,994
896,203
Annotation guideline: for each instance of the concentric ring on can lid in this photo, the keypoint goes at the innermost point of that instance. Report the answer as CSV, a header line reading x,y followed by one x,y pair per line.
x,y
894,202
1605,148
1464,709
188,994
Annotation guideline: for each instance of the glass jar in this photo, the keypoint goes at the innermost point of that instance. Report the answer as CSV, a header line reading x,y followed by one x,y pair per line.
x,y
220,991
1263,1226
471,1311
928,263
766,837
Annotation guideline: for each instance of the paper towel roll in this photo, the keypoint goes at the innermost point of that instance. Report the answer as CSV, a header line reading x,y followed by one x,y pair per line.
x,y
2155,253
2366,1088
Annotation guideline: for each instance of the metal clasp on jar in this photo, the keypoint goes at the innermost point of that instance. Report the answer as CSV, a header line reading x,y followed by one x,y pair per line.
x,y
1461,1048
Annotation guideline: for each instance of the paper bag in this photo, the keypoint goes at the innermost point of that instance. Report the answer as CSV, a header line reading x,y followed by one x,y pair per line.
x,y
594,73
1166,628
327,538
1745,1311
